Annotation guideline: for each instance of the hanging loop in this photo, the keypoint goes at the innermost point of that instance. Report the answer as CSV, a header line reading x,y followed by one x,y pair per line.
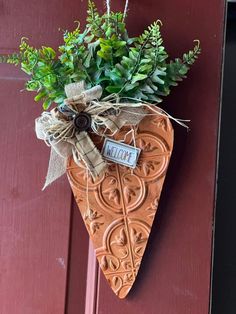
x,y
108,5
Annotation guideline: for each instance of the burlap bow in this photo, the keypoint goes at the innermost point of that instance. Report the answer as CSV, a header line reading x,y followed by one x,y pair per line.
x,y
57,128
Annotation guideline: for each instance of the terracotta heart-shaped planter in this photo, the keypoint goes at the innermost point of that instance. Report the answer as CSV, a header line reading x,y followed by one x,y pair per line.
x,y
123,202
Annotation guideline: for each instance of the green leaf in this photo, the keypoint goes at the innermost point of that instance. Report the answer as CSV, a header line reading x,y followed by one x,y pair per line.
x,y
108,32
59,99
113,89
48,52
130,87
133,54
32,85
104,54
138,77
40,95
120,52
147,89
88,60
146,68
140,95
183,70
119,43
114,75
47,103
124,72
156,76
127,63
26,68
155,98
88,39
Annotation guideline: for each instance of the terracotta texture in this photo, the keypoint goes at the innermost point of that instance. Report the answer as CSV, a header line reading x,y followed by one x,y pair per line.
x,y
123,203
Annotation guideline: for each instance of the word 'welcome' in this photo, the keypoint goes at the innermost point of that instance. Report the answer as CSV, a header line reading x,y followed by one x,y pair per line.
x,y
120,153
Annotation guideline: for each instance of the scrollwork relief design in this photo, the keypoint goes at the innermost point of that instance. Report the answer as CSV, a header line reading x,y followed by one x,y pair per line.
x,y
123,203
92,220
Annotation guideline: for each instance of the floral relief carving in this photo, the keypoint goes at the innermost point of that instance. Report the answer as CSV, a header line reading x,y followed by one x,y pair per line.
x,y
113,194
121,239
137,237
91,220
123,204
128,278
129,192
146,146
162,123
152,208
148,167
139,232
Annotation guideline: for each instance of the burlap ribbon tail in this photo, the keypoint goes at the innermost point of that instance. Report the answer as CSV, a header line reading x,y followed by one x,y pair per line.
x,y
57,129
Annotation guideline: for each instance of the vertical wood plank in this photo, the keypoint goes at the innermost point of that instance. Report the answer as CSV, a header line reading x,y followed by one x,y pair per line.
x,y
34,225
175,274
77,279
92,282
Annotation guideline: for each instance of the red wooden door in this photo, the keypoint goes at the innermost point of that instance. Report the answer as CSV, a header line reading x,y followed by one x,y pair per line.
x,y
44,246
175,277
34,225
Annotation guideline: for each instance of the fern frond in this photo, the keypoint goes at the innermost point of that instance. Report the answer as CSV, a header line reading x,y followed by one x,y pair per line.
x,y
192,55
94,20
14,58
135,68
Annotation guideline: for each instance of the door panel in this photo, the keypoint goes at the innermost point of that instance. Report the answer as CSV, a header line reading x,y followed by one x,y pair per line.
x,y
34,225
175,276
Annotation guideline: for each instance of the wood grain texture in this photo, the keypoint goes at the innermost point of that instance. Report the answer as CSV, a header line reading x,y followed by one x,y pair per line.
x,y
78,264
175,274
92,281
34,225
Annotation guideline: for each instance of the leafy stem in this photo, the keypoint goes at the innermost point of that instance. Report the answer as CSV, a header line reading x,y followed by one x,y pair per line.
x,y
103,54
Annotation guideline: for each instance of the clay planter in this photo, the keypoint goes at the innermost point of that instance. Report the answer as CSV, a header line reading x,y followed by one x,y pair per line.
x,y
123,203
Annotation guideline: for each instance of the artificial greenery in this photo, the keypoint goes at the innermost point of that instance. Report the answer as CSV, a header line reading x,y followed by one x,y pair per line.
x,y
133,68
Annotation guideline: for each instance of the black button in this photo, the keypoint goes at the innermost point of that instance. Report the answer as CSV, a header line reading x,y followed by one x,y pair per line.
x,y
82,121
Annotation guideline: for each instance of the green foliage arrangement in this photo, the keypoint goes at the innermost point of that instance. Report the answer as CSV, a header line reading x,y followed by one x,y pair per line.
x,y
104,54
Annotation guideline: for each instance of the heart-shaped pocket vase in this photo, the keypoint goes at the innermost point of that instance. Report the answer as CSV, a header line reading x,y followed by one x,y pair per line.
x,y
124,201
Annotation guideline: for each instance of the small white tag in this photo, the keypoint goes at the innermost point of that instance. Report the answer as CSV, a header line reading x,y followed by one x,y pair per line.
x,y
120,153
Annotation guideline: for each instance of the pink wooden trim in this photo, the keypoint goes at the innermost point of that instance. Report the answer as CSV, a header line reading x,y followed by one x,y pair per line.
x,y
77,265
92,279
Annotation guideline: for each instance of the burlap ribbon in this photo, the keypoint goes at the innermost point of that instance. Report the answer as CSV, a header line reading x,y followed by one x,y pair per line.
x,y
57,128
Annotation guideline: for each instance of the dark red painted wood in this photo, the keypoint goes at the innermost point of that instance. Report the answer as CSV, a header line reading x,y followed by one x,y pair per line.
x,y
34,225
175,275
176,271
77,272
